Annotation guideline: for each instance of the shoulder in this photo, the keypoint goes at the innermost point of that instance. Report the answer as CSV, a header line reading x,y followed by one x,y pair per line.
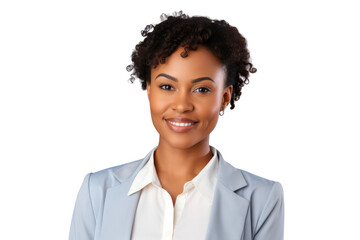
x,y
112,176
266,205
115,175
260,185
263,194
244,183
265,208
96,184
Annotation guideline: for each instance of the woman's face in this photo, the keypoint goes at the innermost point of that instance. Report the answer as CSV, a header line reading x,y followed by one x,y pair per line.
x,y
186,95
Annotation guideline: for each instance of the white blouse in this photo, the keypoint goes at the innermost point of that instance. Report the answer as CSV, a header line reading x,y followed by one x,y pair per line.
x,y
156,218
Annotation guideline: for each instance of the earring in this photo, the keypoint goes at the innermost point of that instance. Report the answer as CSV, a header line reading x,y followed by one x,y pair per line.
x,y
221,113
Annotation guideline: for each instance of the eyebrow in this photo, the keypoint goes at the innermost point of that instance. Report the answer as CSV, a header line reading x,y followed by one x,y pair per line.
x,y
193,81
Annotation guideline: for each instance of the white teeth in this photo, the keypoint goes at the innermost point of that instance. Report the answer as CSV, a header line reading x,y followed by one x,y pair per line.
x,y
181,124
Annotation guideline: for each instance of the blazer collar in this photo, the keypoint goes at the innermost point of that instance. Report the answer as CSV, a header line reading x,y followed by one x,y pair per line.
x,y
229,210
227,216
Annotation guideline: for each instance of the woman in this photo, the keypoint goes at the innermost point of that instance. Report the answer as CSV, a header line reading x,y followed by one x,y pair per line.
x,y
192,68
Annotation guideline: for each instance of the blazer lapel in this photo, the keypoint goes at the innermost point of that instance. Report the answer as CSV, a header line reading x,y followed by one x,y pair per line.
x,y
229,210
120,209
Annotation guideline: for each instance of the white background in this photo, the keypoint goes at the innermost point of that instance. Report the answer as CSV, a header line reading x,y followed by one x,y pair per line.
x,y
66,107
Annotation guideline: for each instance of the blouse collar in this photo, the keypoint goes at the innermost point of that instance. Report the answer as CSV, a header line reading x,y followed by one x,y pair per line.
x,y
204,182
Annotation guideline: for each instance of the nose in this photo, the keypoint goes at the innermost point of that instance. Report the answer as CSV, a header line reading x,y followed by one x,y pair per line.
x,y
182,102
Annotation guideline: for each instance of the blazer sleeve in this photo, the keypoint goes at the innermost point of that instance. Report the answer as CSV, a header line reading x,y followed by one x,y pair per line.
x,y
271,222
83,220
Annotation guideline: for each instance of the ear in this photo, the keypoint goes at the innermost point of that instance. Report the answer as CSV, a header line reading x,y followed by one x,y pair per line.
x,y
148,89
226,96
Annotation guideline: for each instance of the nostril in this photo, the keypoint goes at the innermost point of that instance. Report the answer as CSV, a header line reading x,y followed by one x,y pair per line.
x,y
183,106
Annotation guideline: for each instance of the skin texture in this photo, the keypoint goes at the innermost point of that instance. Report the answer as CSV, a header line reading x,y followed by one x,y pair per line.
x,y
179,157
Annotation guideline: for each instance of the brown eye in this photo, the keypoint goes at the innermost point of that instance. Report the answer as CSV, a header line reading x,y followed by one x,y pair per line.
x,y
166,87
203,90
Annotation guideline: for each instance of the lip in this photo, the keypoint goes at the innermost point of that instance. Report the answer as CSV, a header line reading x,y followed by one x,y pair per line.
x,y
180,129
180,120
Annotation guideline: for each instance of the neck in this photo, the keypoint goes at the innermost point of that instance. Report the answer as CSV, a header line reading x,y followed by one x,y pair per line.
x,y
181,162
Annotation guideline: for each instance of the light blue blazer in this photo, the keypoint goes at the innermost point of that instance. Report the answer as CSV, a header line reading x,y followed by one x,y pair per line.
x,y
245,206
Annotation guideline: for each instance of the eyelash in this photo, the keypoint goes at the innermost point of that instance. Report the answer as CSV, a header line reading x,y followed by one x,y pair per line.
x,y
207,89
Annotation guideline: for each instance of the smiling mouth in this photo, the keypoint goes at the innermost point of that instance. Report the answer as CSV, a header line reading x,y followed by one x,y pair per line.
x,y
180,127
181,124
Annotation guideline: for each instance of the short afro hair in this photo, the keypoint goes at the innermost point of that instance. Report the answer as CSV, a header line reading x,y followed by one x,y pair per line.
x,y
222,39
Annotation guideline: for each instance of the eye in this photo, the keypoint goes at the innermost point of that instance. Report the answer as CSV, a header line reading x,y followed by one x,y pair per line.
x,y
165,87
203,90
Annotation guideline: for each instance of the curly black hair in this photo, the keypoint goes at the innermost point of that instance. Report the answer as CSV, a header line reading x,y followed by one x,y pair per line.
x,y
222,39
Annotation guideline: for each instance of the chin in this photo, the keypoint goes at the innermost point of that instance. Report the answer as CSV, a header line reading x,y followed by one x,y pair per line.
x,y
182,145
184,142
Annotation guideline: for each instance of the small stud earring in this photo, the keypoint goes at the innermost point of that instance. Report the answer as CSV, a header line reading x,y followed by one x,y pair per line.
x,y
221,113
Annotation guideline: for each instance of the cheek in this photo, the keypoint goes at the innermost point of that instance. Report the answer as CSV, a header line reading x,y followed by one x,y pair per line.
x,y
156,113
210,112
157,105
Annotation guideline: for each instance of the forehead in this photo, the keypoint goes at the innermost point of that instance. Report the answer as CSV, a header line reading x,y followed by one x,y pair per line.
x,y
199,63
